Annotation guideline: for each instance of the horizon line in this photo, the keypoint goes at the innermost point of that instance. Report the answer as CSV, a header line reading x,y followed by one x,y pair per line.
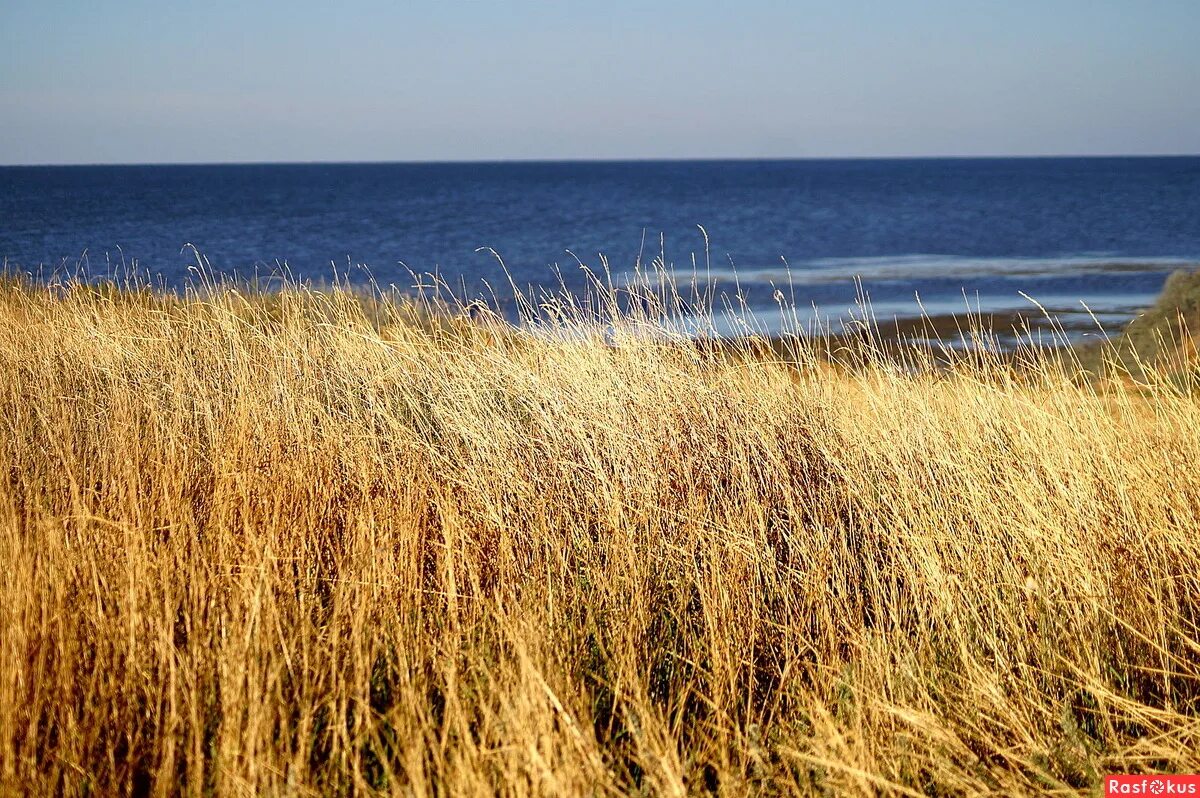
x,y
614,160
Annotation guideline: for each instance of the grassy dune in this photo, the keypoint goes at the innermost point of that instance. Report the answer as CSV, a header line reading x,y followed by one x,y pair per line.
x,y
306,545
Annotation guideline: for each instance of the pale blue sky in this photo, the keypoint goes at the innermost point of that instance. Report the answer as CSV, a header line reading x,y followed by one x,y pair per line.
x,y
133,81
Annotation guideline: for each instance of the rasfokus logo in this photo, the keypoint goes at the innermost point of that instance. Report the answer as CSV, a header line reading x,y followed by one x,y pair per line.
x,y
1182,784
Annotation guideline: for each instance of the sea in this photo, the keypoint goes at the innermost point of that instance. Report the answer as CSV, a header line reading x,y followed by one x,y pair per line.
x,y
1087,242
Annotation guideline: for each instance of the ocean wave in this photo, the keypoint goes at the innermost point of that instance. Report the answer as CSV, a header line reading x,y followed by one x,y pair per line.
x,y
908,268
933,267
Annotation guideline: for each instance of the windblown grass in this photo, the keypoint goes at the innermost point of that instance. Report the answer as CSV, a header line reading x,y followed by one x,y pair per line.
x,y
293,547
1160,340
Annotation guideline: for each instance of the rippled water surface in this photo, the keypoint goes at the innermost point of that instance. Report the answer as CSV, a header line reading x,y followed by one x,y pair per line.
x,y
1064,231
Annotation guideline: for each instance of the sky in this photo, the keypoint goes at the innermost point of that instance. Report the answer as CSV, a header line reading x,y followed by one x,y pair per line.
x,y
166,81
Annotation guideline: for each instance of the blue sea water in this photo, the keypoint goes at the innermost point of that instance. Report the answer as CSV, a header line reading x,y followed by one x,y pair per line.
x,y
1064,231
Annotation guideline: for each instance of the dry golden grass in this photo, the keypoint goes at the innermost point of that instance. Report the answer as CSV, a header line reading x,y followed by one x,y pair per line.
x,y
282,547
